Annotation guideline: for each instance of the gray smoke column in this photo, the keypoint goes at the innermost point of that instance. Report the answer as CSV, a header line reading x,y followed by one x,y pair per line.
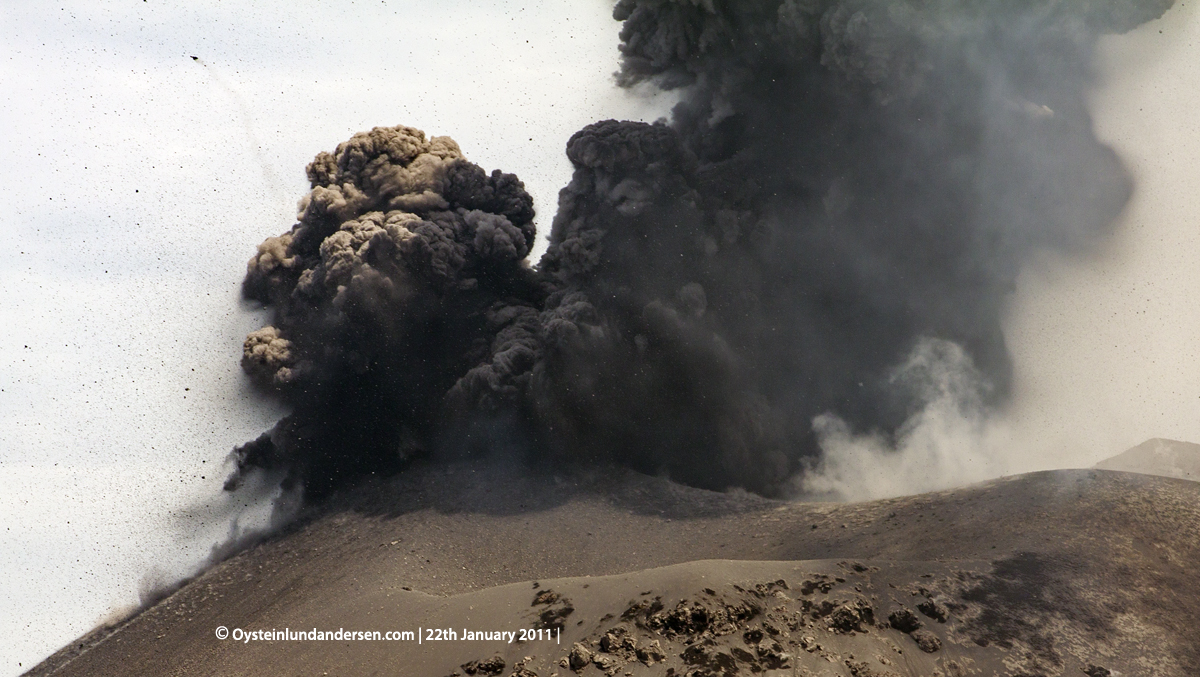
x,y
842,183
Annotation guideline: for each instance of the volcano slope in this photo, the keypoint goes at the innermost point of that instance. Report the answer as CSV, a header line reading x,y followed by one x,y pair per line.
x,y
1074,572
1157,456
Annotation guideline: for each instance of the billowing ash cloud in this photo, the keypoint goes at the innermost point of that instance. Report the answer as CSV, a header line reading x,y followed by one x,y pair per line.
x,y
841,183
403,280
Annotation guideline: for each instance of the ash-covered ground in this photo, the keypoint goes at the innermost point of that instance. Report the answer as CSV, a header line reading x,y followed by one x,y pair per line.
x,y
1074,572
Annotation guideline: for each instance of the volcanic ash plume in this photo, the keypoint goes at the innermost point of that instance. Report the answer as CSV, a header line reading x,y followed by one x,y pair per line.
x,y
405,278
843,186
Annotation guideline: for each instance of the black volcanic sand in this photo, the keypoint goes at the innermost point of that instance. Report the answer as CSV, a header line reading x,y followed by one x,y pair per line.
x,y
1081,572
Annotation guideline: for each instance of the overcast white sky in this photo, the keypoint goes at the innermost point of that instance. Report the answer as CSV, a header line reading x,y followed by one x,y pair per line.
x,y
140,181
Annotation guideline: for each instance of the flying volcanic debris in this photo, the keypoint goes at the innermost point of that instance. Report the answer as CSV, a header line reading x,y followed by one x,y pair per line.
x,y
843,183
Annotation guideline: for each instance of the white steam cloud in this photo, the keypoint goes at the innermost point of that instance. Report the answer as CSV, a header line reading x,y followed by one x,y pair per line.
x,y
950,442
1105,345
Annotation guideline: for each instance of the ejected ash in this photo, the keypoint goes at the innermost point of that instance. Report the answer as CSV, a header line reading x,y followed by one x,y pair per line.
x,y
397,285
841,183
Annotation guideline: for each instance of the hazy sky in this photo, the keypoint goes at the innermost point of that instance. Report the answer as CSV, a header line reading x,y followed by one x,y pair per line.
x,y
140,180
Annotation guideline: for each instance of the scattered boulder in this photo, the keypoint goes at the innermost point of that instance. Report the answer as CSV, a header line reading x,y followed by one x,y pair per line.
x,y
926,640
694,618
608,664
934,610
519,670
579,657
820,582
651,653
618,641
845,616
904,620
684,619
852,615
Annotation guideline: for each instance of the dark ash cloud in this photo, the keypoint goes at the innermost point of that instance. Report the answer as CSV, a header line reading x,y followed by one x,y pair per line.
x,y
403,279
841,181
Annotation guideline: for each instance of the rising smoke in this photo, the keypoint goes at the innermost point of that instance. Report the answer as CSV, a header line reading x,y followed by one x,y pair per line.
x,y
845,187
